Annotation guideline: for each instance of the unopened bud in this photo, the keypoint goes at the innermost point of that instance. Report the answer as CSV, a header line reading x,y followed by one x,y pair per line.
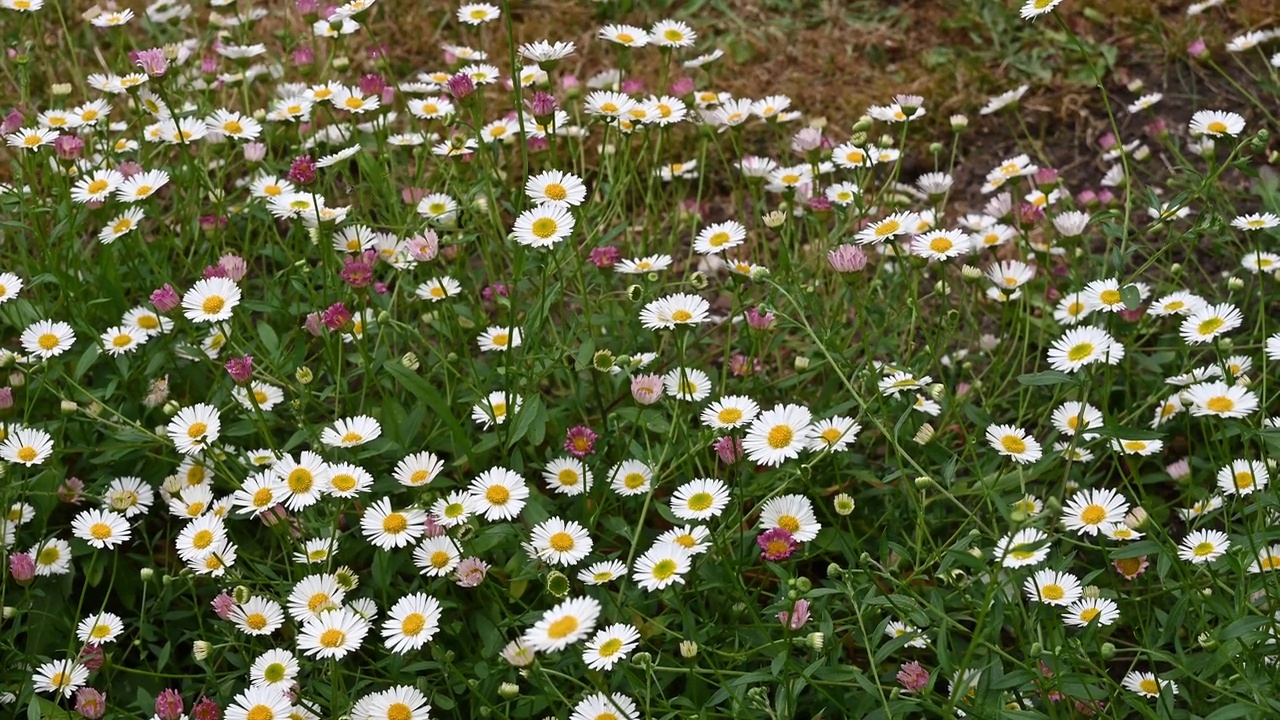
x,y
816,640
146,574
1107,651
1235,283
959,122
774,219
303,375
801,363
241,594
200,649
171,407
68,407
924,434
688,649
844,504
509,690
410,360
698,281
970,273
635,293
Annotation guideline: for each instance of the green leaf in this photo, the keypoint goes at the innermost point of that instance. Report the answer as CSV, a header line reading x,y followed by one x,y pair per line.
x,y
87,359
1230,712
1048,377
530,413
1131,296
270,341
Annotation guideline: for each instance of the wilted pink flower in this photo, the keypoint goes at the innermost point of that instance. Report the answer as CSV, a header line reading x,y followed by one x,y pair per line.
x,y
376,51
681,87
336,316
153,62
372,84
471,572
797,616
729,449
234,265
213,271
12,122
71,491
209,64
90,704
646,389
819,204
380,288
128,168
632,85
68,147
223,603
534,145
847,259
432,528
358,270
605,256
741,365
254,151
1157,128
169,705
692,208
776,544
1028,213
542,104
1178,469
307,7
1087,197
313,324
240,369
759,320
1133,315
207,709
6,398
806,140
460,85
165,299
580,441
1198,49
303,56
92,656
1131,568
302,171
913,677
22,567
1046,179
1106,197
424,247
1107,141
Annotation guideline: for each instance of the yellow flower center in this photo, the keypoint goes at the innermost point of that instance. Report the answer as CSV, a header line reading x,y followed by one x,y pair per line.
x,y
256,621
1088,614
633,481
47,341
672,35
728,416
27,453
395,523
1135,445
100,531
497,495
1220,404
399,711
609,647
100,631
343,482
1216,127
197,430
318,601
1093,514
568,477
300,480
561,542
1052,591
263,497
941,244
332,638
544,227
664,569
1080,351
232,127
698,502
790,523
1013,444
1109,297
780,436
412,624
202,539
888,228
1203,549
1244,480
351,437
48,556
1209,326
718,239
213,304
681,316
1149,686
562,628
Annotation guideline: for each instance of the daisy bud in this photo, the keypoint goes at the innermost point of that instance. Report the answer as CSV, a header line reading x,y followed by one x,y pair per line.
x,y
1136,518
557,584
935,148
1107,651
959,122
698,281
835,571
22,567
688,649
1206,641
1091,592
802,363
1175,269
169,705
635,293
864,124
1198,49
816,640
410,360
341,62
642,660
924,482
924,434
885,141
8,612
844,504
1235,283
509,691
774,219
200,649
602,361
241,594
60,88
303,375
206,709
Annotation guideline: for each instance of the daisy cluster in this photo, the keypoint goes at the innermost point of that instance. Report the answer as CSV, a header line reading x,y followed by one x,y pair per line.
x,y
339,388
